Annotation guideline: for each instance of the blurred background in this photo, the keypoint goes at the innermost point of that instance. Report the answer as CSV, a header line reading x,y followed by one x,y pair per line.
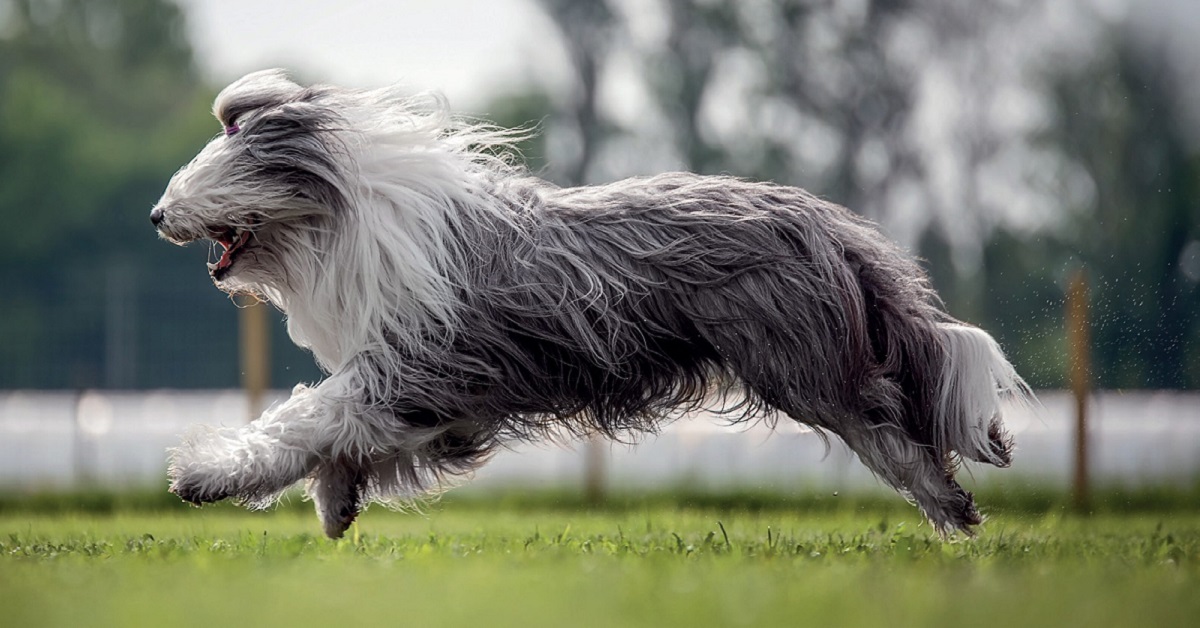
x,y
1015,145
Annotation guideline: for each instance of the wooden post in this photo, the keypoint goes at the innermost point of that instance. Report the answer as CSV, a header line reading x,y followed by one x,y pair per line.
x,y
255,349
593,470
1079,340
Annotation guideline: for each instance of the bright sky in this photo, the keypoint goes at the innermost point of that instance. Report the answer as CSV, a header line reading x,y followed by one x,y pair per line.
x,y
468,49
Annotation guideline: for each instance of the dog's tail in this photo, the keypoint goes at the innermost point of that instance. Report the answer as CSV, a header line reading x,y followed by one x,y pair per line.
x,y
976,379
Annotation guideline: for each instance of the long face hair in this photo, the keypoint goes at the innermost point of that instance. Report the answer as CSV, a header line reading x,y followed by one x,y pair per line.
x,y
313,199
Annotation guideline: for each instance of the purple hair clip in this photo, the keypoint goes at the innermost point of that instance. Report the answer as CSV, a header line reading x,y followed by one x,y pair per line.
x,y
231,129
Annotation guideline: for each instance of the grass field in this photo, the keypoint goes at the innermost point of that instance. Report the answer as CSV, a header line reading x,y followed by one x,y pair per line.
x,y
739,560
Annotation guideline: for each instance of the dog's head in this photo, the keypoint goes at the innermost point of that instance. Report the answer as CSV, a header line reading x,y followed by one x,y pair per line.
x,y
342,205
274,172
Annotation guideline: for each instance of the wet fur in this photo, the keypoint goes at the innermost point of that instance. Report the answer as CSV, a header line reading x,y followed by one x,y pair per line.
x,y
457,304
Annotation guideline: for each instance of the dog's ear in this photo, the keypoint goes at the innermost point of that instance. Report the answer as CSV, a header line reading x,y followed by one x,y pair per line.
x,y
287,143
266,88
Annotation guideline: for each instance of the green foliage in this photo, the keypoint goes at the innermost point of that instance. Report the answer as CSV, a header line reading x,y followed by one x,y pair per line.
x,y
656,565
528,111
1013,498
1122,121
1118,120
101,102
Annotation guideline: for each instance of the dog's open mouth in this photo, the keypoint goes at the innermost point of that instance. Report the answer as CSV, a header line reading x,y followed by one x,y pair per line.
x,y
233,244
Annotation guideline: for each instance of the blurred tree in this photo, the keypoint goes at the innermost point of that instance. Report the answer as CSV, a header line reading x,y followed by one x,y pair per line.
x,y
826,94
1129,185
1120,120
587,29
95,91
933,117
525,110
680,71
101,102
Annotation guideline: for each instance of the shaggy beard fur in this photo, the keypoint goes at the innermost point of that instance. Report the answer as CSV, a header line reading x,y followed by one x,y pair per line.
x,y
457,304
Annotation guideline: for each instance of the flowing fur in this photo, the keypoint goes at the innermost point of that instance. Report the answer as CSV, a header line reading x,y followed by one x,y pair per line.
x,y
457,304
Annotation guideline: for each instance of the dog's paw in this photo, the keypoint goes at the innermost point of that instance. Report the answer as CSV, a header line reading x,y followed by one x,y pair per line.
x,y
336,523
195,475
198,493
952,512
1000,444
337,491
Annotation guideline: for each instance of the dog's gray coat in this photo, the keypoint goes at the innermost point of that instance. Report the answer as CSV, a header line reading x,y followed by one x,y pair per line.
x,y
457,304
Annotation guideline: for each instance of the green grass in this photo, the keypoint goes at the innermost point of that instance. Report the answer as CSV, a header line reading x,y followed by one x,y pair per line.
x,y
548,561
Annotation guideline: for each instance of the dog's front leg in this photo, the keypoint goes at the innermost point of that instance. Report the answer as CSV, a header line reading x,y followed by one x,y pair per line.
x,y
255,462
337,490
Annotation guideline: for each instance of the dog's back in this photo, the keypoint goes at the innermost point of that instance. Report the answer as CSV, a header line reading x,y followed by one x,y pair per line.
x,y
611,308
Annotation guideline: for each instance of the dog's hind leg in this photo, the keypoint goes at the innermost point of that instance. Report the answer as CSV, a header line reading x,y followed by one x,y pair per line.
x,y
878,428
915,470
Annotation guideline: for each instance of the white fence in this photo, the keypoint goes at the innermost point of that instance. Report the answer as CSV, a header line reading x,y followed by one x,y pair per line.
x,y
118,439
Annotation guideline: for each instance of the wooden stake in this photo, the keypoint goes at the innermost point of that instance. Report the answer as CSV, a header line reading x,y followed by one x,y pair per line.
x,y
255,353
593,470
1079,339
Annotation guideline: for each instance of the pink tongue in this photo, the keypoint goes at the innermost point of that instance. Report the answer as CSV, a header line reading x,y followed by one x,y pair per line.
x,y
227,255
225,258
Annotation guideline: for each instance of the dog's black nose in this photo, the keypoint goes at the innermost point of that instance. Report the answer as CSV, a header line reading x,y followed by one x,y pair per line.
x,y
156,216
